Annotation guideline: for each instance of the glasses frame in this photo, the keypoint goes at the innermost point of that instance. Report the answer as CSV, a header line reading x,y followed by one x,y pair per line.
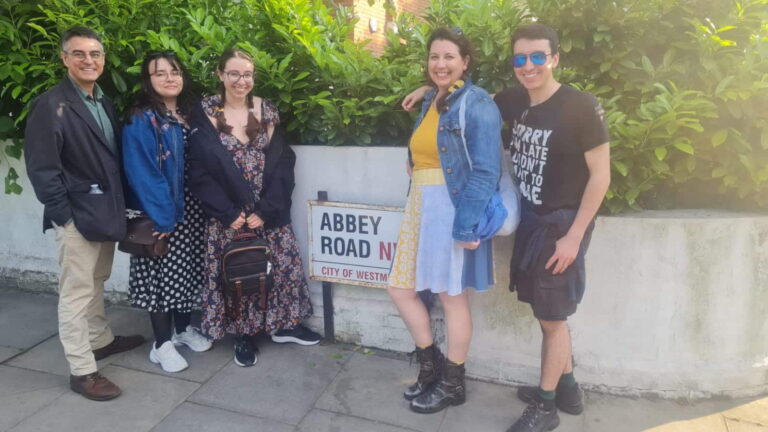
x,y
79,55
538,58
170,77
245,77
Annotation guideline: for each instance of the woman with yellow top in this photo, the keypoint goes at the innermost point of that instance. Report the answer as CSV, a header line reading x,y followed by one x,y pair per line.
x,y
454,174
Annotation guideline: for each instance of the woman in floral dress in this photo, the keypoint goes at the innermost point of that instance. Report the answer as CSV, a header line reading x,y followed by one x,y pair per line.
x,y
243,175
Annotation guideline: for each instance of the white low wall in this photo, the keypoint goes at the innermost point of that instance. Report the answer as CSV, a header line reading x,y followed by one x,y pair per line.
x,y
676,302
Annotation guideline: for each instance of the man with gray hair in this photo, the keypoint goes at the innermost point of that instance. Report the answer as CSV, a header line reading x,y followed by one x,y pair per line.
x,y
73,162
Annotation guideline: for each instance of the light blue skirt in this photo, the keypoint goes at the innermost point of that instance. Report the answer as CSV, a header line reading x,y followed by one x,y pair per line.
x,y
428,258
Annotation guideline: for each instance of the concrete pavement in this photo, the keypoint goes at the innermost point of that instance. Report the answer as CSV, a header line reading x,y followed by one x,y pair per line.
x,y
329,387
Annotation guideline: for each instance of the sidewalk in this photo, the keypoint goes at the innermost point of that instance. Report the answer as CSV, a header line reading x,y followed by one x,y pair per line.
x,y
322,388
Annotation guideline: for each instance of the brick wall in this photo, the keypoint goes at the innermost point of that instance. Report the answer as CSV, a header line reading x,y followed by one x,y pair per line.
x,y
377,13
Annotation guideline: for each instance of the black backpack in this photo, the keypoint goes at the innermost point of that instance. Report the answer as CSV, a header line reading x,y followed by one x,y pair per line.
x,y
246,270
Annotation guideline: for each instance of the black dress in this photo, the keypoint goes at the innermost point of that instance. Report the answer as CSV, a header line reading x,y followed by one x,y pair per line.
x,y
173,281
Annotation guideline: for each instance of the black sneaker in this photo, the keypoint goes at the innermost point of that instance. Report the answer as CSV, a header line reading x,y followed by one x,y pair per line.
x,y
536,418
245,353
568,400
300,335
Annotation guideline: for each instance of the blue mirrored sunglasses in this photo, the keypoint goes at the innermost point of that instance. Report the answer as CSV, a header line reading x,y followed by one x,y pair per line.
x,y
539,58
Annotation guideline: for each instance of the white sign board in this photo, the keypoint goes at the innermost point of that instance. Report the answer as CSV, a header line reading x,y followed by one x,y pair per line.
x,y
352,243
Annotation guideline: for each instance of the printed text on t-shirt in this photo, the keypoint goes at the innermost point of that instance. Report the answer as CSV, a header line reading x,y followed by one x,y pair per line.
x,y
529,159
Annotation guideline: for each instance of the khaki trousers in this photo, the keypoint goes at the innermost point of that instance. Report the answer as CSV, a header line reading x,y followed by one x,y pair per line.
x,y
83,325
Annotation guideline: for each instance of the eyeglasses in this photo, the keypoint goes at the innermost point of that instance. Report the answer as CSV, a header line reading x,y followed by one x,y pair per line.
x,y
82,55
163,75
457,31
235,76
538,58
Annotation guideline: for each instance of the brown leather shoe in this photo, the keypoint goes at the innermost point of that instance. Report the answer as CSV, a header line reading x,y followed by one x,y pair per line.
x,y
94,387
118,345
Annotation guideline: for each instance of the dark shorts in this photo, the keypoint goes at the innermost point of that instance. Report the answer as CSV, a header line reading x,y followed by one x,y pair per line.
x,y
552,297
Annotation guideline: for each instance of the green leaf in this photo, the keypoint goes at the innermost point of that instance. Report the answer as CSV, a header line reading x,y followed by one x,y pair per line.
x,y
11,186
119,82
15,149
661,153
723,84
718,172
647,65
6,126
764,137
684,147
631,196
621,167
719,137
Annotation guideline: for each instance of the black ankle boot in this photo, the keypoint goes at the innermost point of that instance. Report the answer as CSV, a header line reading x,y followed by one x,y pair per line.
x,y
449,391
431,365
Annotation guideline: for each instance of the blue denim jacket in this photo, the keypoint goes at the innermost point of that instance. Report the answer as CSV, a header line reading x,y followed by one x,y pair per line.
x,y
156,190
469,189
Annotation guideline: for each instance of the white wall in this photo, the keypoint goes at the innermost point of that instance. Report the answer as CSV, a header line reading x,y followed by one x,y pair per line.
x,y
676,302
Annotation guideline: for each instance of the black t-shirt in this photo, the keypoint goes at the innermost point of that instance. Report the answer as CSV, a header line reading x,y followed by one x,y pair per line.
x,y
548,142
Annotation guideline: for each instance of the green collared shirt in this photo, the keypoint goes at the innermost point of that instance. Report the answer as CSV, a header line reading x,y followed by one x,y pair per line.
x,y
94,104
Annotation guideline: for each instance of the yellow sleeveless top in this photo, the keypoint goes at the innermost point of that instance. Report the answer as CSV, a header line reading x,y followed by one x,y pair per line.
x,y
424,142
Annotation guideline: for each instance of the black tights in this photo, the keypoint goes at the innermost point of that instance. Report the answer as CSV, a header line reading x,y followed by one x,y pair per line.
x,y
161,324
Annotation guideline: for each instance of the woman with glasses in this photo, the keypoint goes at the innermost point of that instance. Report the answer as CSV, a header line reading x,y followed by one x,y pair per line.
x,y
454,163
154,157
244,178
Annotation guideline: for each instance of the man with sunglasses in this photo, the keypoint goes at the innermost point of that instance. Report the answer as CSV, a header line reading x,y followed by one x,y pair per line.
x,y
560,152
72,157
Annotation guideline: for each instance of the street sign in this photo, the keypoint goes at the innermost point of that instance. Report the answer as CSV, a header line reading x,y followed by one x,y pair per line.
x,y
352,243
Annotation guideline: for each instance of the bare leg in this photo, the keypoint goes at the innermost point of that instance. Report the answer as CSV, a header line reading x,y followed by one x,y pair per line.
x,y
414,314
555,353
458,324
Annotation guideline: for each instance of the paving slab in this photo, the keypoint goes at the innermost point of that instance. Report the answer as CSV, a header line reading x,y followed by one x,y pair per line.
x,y
35,314
743,426
326,421
202,366
23,393
145,401
372,387
606,413
754,412
189,417
494,407
283,385
8,352
49,355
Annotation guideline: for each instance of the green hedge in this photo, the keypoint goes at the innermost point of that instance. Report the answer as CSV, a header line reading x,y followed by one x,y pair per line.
x,y
684,82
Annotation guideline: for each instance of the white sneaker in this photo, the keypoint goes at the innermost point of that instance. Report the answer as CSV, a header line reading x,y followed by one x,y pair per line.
x,y
170,359
191,338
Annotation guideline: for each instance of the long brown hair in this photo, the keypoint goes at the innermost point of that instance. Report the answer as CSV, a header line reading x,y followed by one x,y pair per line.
x,y
254,126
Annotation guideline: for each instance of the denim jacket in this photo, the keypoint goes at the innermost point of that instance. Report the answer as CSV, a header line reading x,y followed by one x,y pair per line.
x,y
158,190
469,189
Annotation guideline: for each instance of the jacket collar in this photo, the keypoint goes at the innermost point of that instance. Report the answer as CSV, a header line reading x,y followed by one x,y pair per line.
x,y
454,95
78,106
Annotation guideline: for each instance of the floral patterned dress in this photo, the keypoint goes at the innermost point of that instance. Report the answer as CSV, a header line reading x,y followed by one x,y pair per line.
x,y
288,303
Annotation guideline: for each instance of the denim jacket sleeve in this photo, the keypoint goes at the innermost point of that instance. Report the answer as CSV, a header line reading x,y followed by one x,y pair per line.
x,y
483,136
144,176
